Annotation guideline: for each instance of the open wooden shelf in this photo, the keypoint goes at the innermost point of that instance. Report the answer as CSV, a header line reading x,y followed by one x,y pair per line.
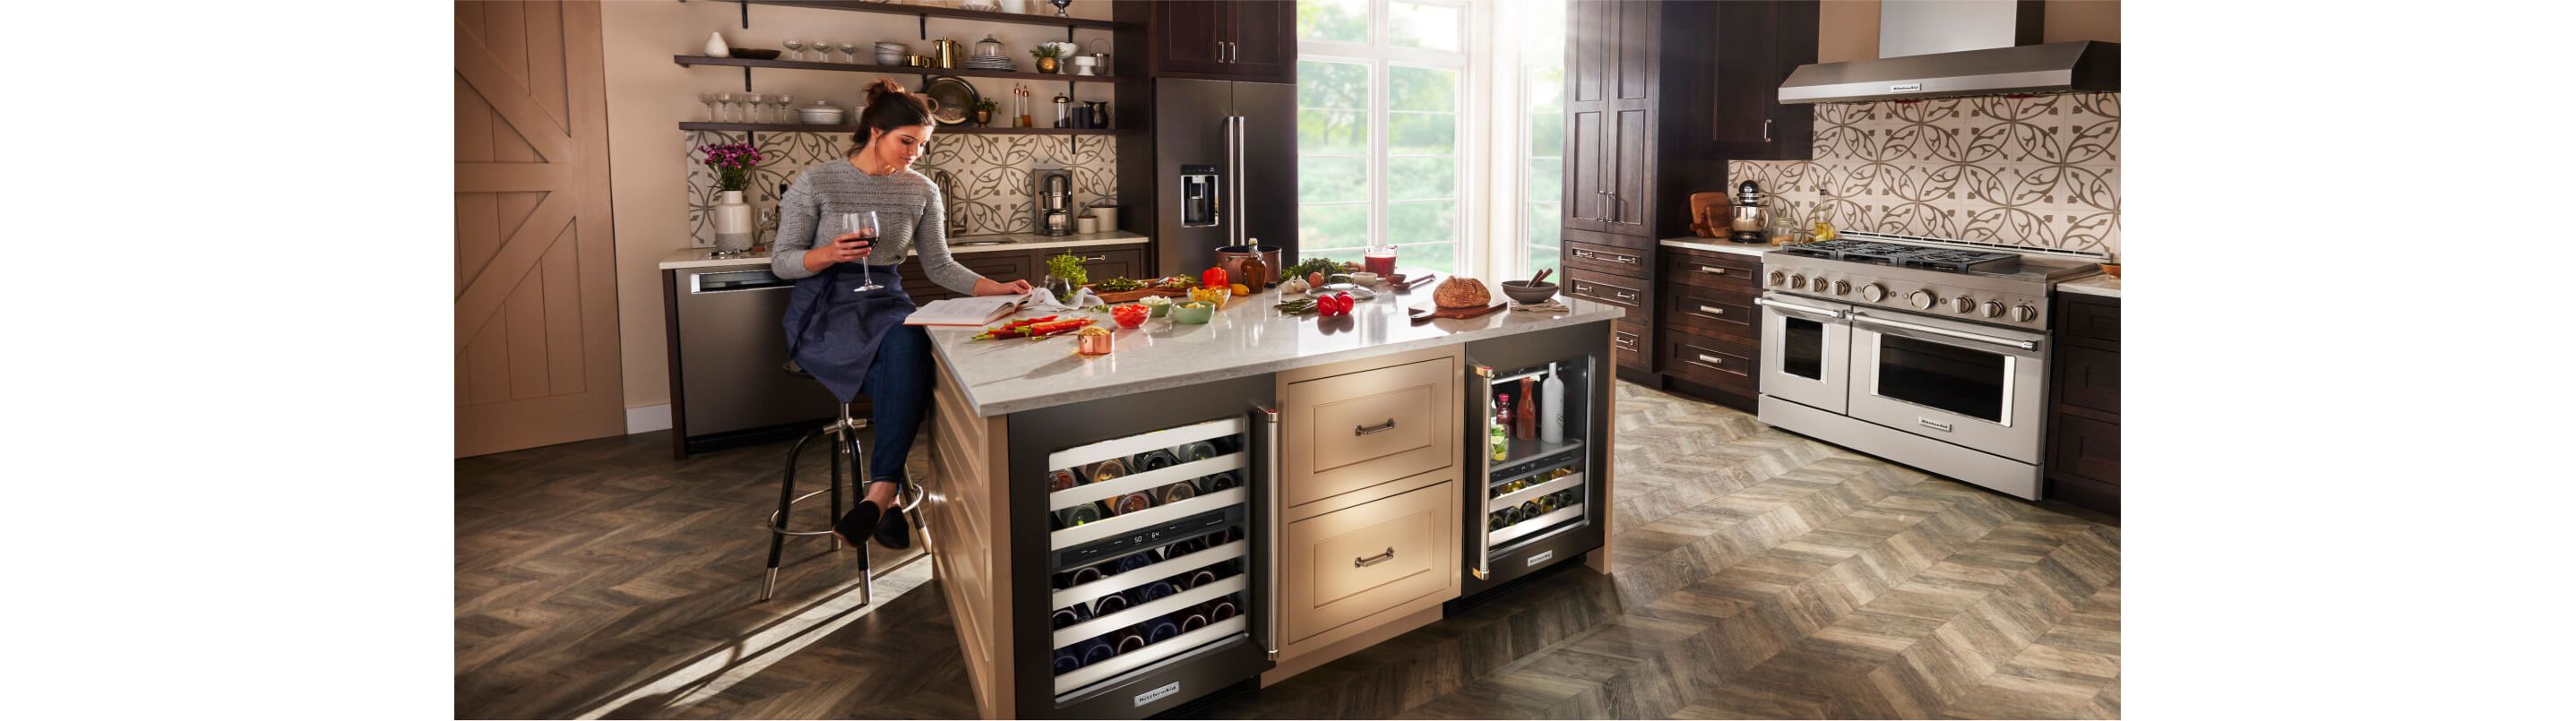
x,y
894,69
952,13
966,129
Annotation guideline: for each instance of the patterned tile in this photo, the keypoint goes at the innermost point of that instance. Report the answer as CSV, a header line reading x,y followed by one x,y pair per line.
x,y
984,178
2040,172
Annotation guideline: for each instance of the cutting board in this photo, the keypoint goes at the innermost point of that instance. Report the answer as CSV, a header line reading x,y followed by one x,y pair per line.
x,y
1123,296
1424,314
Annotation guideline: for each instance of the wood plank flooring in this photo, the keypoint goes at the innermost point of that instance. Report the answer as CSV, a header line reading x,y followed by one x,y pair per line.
x,y
1759,574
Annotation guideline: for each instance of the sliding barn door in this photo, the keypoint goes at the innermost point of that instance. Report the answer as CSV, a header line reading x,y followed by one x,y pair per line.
x,y
536,291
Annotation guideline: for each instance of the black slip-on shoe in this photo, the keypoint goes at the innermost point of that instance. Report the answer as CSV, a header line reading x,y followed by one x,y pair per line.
x,y
860,522
893,532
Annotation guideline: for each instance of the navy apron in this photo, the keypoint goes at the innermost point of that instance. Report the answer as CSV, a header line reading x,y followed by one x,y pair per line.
x,y
833,331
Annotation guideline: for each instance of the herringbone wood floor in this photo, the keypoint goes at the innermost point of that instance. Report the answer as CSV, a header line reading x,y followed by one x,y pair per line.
x,y
1760,575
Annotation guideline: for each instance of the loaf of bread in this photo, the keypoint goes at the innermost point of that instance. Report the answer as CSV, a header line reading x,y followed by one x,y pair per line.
x,y
1461,292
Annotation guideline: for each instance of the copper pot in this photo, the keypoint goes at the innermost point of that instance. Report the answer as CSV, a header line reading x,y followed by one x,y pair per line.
x,y
1231,259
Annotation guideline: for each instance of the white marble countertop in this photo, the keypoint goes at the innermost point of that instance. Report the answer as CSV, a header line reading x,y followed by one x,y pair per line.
x,y
1248,337
1719,245
2102,285
959,245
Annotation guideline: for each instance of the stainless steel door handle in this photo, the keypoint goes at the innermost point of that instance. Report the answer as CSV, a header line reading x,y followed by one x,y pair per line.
x,y
1483,379
1270,530
1583,254
1835,314
1220,51
1389,555
1945,332
1380,428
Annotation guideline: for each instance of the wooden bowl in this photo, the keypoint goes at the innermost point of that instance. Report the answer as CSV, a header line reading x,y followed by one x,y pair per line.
x,y
1524,293
754,53
2111,268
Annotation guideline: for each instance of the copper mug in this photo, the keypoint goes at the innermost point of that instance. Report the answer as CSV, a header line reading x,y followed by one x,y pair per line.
x,y
946,51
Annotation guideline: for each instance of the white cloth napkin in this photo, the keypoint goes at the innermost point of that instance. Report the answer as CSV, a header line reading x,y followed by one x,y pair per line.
x,y
1043,299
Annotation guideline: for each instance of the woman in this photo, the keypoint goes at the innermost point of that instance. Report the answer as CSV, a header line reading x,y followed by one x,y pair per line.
x,y
855,341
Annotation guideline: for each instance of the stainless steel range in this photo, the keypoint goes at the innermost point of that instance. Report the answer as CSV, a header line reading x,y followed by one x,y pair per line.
x,y
1929,355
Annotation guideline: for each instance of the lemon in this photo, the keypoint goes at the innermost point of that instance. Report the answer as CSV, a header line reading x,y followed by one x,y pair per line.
x,y
1241,289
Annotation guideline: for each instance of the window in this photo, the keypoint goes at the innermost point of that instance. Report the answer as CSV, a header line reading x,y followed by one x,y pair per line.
x,y
1541,79
1381,136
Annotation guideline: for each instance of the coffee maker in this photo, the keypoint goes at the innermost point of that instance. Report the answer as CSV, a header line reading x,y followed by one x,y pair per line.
x,y
1750,219
1054,193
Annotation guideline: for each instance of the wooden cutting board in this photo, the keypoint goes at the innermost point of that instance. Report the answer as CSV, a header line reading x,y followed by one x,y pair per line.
x,y
1123,296
1424,315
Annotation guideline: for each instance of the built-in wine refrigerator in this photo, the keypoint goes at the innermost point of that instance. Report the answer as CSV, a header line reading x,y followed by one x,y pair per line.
x,y
1152,585
1533,420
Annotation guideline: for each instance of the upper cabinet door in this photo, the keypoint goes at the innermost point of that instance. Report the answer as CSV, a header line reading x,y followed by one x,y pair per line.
x,y
1590,76
1758,44
1189,36
1263,43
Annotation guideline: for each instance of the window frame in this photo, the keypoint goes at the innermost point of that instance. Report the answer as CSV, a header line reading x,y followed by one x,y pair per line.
x,y
1470,95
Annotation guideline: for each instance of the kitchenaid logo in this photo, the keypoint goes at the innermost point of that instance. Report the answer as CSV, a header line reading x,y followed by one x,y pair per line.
x,y
1905,88
1158,693
1540,558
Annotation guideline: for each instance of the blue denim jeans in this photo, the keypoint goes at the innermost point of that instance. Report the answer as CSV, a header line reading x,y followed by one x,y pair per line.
x,y
898,387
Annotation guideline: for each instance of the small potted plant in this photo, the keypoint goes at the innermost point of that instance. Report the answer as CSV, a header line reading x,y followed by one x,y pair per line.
x,y
732,163
984,112
1046,54
1065,276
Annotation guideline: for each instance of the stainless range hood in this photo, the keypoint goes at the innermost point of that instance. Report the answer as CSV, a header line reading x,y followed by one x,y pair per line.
x,y
1959,48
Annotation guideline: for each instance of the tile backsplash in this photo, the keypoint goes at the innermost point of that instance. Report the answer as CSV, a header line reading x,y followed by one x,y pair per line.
x,y
2038,172
983,178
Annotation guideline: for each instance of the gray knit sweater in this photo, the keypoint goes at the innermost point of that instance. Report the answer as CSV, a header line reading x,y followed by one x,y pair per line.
x,y
910,216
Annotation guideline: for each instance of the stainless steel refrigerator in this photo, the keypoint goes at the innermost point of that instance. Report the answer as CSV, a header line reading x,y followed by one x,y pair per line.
x,y
1225,170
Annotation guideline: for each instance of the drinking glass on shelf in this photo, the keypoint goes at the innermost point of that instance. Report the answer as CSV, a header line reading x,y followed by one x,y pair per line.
x,y
786,111
863,223
824,47
708,100
724,107
755,111
851,50
795,49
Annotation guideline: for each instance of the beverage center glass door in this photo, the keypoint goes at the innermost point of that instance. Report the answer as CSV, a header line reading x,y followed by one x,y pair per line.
x,y
1534,482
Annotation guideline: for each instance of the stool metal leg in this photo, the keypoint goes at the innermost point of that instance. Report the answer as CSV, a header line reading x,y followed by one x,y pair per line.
x,y
786,501
835,462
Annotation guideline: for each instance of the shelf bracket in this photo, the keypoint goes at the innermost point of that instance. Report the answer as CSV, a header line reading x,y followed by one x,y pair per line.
x,y
746,14
925,25
746,78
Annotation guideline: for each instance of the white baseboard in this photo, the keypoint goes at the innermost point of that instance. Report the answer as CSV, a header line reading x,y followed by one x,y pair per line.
x,y
646,419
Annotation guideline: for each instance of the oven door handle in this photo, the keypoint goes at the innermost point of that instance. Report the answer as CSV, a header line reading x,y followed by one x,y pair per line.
x,y
1834,314
1857,317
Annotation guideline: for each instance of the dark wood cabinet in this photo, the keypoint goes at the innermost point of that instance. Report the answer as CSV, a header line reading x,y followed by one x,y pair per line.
x,y
2084,400
1757,44
1232,40
1611,66
1710,344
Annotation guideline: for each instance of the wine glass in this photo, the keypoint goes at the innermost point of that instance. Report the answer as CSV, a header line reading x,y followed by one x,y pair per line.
x,y
824,47
724,107
851,50
863,223
708,100
754,111
786,112
795,49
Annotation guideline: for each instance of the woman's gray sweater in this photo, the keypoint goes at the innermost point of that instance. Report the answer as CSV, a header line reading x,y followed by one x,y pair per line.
x,y
910,216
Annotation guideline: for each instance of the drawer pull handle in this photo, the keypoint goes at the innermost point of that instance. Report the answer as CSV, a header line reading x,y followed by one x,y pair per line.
x,y
1365,430
1389,555
1712,359
1712,310
1095,259
1712,270
1583,254
1628,259
1624,296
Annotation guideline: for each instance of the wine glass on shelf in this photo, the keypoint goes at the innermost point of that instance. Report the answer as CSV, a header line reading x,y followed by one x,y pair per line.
x,y
786,111
851,50
795,49
724,107
708,100
863,223
824,47
754,111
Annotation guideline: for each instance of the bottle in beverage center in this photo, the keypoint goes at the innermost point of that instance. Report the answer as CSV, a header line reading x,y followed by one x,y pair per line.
x,y
1547,503
1512,515
1503,411
1525,420
1178,492
1109,604
1218,481
1198,451
1067,659
1153,459
1198,578
1129,638
1079,515
1160,628
1529,509
1495,522
1551,409
1193,621
1095,649
1105,470
1068,616
1061,479
1501,444
1134,502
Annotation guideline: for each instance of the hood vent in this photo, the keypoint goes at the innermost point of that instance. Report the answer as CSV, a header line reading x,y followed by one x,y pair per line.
x,y
1955,49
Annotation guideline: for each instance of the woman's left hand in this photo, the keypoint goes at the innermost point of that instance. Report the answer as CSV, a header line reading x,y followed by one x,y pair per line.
x,y
986,286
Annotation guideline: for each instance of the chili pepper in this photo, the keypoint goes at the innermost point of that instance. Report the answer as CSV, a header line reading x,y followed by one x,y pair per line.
x,y
1012,329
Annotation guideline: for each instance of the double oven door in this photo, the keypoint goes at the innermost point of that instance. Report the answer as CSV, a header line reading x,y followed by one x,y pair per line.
x,y
1966,384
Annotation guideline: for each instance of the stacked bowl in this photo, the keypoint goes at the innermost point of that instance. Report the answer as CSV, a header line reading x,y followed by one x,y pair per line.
x,y
892,53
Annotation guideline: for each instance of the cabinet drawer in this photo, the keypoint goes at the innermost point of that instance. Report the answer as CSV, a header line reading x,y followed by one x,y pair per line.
x,y
1607,259
1712,311
1628,293
1709,360
1356,430
1712,270
1101,264
1632,346
2088,377
1628,243
1349,564
2085,317
2085,448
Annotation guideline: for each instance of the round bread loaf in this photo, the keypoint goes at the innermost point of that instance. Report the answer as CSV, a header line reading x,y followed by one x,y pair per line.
x,y
1461,292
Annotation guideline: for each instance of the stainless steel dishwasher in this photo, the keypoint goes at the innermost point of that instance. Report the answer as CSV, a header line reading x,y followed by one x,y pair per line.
x,y
726,349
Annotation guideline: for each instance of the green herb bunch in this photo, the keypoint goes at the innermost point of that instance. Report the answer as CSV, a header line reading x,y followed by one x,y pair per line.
x,y
1068,267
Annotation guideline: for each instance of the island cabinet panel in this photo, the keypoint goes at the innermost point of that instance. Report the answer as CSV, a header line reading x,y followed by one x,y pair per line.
x,y
1363,427
967,488
1358,562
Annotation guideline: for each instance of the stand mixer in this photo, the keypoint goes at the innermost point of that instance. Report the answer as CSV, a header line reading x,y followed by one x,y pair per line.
x,y
1750,219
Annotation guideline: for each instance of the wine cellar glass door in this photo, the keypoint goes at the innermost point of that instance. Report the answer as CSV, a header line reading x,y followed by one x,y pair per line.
x,y
1533,460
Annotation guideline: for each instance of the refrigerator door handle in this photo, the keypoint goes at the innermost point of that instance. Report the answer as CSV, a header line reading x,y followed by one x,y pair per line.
x,y
1270,530
1481,378
1243,159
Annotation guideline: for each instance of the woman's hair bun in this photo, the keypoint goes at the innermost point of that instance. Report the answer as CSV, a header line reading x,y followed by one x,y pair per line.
x,y
881,87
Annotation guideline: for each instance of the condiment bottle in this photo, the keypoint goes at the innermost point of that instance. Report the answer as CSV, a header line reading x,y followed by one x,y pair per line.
x,y
1255,272
1525,420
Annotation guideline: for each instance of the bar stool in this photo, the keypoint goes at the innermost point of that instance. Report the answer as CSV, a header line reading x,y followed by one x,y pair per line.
x,y
843,433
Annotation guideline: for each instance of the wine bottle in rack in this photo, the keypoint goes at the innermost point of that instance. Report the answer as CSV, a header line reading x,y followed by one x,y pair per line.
x,y
1198,451
1529,510
1067,659
1129,638
1095,649
1218,481
1133,561
1148,593
1134,502
1198,578
1178,492
1107,470
1495,521
1161,628
1069,616
1193,620
1154,460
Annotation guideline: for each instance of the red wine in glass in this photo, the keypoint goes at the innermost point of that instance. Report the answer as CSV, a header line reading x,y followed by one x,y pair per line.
x,y
864,223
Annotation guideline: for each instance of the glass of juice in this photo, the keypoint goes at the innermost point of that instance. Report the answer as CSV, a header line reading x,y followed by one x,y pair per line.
x,y
1379,259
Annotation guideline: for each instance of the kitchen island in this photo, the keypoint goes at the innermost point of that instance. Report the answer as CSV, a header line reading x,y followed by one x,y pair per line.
x,y
1118,535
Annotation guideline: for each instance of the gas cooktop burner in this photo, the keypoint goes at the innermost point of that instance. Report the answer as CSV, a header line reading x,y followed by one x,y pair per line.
x,y
1908,256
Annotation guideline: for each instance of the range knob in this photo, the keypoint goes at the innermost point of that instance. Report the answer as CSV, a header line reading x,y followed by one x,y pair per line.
x,y
1922,299
2024,313
1797,281
1873,292
1778,277
1992,309
1842,287
1962,304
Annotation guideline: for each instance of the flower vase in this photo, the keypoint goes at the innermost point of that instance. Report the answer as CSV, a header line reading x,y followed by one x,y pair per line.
x,y
1046,65
732,219
1060,287
984,118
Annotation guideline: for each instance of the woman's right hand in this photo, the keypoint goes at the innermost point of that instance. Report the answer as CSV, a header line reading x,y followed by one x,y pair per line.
x,y
848,247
